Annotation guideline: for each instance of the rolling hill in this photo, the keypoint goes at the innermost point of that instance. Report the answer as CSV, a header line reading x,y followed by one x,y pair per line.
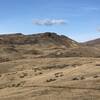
x,y
19,46
95,42
48,66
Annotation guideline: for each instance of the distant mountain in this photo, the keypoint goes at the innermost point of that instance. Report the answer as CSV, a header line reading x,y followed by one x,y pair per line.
x,y
42,39
95,42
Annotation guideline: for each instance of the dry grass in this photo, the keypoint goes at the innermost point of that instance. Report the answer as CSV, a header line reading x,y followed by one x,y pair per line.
x,y
48,67
29,79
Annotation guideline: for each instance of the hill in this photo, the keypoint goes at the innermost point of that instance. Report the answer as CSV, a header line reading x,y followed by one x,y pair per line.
x,y
95,42
44,39
19,46
48,66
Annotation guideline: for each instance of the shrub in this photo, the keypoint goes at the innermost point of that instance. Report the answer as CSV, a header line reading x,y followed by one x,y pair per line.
x,y
50,80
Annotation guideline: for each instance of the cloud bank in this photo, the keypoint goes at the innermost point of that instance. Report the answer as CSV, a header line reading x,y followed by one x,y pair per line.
x,y
49,22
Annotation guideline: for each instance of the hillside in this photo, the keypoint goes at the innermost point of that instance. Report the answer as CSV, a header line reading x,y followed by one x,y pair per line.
x,y
48,66
44,39
95,42
47,45
50,79
19,46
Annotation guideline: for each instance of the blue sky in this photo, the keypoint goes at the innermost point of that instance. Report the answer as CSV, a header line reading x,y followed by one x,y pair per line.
x,y
78,19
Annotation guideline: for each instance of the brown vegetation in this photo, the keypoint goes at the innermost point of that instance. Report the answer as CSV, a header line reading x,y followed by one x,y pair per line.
x,y
47,66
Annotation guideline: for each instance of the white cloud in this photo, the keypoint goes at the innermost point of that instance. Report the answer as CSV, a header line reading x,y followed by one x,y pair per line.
x,y
49,22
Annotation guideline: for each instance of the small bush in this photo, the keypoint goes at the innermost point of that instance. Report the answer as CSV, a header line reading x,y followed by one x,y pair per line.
x,y
79,78
96,76
97,64
23,75
75,78
59,74
38,73
50,80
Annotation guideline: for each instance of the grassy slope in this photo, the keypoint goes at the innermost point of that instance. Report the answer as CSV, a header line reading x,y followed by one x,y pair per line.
x,y
22,79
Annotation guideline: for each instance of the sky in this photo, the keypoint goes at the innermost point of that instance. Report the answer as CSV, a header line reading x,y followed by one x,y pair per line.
x,y
77,19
